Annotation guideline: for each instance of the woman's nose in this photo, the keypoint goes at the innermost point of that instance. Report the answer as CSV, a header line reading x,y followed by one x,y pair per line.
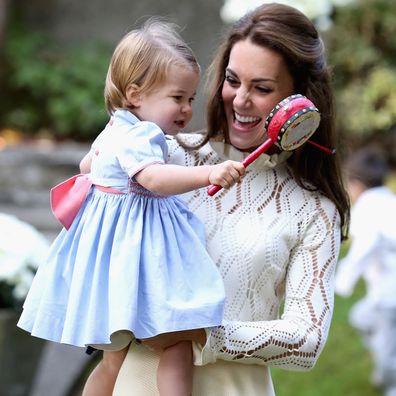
x,y
242,97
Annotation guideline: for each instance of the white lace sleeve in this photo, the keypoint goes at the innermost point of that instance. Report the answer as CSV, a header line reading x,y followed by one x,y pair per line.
x,y
294,341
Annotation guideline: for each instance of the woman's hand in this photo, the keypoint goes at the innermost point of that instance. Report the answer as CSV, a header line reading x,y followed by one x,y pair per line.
x,y
165,340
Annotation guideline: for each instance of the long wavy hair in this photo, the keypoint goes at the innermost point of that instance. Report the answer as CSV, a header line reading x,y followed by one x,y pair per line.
x,y
290,33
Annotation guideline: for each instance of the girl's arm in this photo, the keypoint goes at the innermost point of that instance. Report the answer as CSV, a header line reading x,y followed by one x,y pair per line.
x,y
85,164
174,179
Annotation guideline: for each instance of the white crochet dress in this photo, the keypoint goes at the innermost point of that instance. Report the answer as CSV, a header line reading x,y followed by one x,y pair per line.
x,y
273,242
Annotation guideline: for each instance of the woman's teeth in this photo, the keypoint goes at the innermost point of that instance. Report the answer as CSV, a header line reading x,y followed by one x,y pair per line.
x,y
246,119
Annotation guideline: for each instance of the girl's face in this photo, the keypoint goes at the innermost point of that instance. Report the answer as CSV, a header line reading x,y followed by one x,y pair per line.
x,y
169,105
256,79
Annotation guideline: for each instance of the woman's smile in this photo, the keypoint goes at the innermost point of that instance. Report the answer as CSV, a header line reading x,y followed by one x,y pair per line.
x,y
245,121
256,79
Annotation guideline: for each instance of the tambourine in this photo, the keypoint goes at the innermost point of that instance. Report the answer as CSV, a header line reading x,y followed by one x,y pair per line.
x,y
289,125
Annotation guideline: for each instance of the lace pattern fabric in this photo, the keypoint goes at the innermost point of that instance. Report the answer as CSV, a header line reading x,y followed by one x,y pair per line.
x,y
273,243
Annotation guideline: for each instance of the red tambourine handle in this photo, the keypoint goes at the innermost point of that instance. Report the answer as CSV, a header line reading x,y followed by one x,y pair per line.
x,y
212,190
256,153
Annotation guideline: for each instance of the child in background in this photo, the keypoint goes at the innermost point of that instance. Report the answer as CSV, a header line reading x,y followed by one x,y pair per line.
x,y
133,263
372,255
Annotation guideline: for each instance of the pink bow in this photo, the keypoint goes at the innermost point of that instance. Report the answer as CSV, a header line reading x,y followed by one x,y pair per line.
x,y
67,198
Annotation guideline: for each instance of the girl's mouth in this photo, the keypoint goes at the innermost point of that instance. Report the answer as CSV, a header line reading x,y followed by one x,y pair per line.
x,y
180,124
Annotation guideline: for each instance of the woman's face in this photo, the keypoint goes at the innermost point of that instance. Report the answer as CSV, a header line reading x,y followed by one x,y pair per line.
x,y
256,79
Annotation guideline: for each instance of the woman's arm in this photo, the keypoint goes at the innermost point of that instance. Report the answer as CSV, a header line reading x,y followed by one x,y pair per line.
x,y
296,340
174,179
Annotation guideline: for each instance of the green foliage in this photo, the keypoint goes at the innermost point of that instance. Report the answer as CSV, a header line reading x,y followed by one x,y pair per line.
x,y
362,50
58,90
368,105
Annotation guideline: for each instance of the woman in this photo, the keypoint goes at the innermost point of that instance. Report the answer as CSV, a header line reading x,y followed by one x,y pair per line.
x,y
276,236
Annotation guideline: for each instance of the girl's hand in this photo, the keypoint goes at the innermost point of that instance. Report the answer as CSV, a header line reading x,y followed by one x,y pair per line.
x,y
163,341
227,173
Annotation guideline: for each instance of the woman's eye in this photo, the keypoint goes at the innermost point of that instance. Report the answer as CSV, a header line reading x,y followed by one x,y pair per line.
x,y
231,80
264,89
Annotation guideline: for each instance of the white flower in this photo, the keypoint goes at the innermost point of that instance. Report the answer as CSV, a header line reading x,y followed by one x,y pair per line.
x,y
22,249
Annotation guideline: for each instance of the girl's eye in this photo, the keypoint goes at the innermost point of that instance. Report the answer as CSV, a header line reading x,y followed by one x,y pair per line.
x,y
178,98
191,100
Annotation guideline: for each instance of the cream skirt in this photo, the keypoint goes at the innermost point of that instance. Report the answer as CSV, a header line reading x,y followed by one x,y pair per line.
x,y
138,377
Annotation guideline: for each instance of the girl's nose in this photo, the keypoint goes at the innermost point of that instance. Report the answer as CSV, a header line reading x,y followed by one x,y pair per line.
x,y
186,108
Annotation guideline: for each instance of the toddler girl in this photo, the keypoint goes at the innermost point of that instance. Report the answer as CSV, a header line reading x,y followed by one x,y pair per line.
x,y
131,260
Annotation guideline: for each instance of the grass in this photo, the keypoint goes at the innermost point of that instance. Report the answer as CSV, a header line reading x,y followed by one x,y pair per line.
x,y
344,367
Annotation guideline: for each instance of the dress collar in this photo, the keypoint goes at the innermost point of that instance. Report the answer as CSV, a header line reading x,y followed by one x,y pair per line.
x,y
123,115
226,151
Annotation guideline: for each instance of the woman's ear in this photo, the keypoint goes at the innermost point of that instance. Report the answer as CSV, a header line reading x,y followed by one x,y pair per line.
x,y
133,95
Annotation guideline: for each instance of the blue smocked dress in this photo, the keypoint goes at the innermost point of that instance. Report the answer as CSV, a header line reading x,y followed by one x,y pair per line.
x,y
132,263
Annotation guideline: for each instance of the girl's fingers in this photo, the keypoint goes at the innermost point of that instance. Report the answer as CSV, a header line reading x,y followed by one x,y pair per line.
x,y
227,174
225,184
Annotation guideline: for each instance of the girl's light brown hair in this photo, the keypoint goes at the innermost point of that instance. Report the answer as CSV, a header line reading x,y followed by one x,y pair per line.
x,y
143,57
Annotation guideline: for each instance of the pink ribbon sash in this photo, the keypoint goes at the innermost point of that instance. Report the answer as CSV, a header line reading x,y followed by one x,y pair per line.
x,y
67,198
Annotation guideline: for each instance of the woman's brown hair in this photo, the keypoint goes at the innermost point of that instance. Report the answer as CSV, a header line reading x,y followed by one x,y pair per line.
x,y
289,32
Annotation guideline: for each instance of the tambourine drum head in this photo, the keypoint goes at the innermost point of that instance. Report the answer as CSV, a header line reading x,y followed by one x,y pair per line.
x,y
298,129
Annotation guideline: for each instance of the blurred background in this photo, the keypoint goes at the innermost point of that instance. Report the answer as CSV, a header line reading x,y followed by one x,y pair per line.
x,y
54,56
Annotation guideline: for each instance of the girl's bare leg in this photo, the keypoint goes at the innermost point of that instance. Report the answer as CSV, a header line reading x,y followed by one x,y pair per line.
x,y
175,370
102,379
